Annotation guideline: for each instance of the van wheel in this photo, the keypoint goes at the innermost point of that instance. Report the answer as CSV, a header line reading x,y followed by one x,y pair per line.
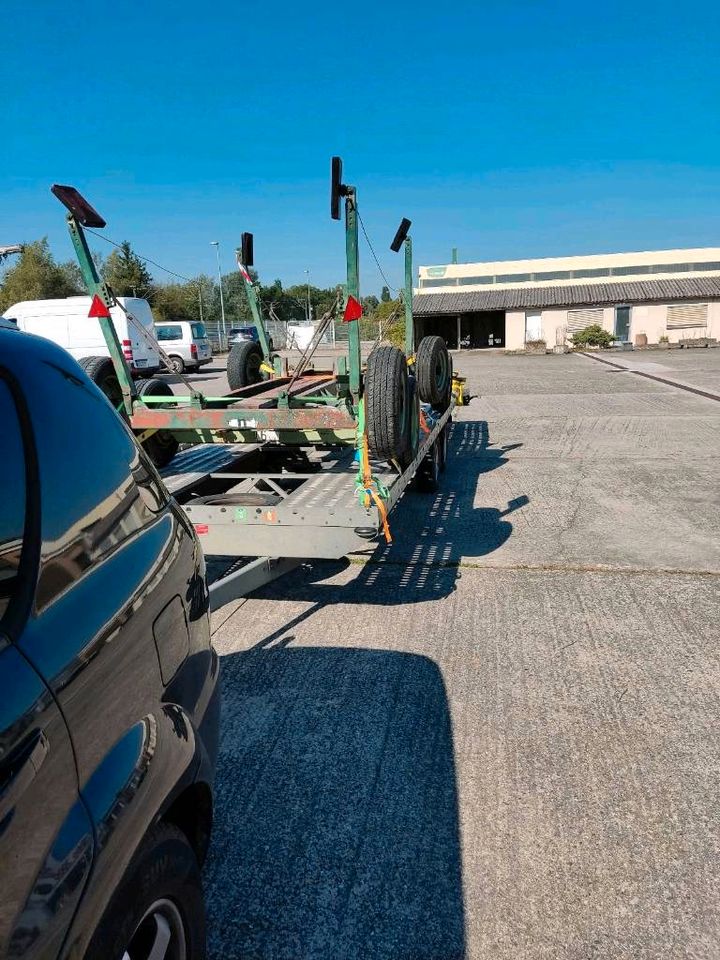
x,y
161,446
158,910
102,373
177,364
387,410
243,364
433,370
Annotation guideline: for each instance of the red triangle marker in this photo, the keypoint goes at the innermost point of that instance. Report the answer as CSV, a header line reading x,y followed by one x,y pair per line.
x,y
353,310
98,308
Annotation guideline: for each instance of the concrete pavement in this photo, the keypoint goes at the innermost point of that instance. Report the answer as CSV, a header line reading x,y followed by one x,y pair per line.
x,y
498,737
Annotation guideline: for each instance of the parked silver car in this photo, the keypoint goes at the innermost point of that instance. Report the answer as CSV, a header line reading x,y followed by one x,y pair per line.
x,y
185,342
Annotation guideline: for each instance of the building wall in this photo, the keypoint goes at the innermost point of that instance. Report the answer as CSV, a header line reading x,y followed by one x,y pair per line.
x,y
600,268
647,318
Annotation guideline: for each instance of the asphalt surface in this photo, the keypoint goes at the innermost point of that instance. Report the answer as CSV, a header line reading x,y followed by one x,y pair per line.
x,y
497,738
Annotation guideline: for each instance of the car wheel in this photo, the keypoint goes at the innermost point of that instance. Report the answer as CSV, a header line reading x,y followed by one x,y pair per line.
x,y
387,403
177,364
158,909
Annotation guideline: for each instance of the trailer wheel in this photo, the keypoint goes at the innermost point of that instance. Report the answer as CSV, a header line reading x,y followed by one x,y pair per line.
x,y
433,370
102,373
427,478
413,424
161,446
386,403
243,364
442,445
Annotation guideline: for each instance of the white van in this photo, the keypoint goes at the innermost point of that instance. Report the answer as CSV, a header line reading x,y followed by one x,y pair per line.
x,y
66,323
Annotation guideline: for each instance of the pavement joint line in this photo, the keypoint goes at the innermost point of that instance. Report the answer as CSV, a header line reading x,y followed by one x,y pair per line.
x,y
538,567
709,395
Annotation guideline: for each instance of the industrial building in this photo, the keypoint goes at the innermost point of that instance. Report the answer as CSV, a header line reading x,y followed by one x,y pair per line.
x,y
506,303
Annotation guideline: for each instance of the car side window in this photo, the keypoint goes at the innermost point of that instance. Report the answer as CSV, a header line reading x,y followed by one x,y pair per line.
x,y
89,474
12,495
169,331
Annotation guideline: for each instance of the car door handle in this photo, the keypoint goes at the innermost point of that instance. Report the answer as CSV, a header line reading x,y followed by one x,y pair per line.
x,y
19,770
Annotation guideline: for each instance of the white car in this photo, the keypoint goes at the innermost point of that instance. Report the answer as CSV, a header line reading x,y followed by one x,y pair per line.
x,y
185,342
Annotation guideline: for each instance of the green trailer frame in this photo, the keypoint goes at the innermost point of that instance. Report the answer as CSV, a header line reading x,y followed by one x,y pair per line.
x,y
316,407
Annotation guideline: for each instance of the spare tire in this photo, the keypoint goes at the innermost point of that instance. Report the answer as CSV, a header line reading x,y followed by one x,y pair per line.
x,y
161,446
386,403
433,370
102,373
243,364
413,440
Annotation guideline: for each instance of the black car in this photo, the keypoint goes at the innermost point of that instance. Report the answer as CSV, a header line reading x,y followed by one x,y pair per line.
x,y
109,701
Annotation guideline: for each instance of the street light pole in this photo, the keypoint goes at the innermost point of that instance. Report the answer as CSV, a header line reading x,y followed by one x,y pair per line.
x,y
216,244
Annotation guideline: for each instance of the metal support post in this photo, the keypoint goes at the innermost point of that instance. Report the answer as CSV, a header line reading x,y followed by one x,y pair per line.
x,y
409,325
98,287
353,288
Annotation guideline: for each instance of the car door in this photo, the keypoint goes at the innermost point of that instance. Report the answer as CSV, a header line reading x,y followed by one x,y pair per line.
x,y
113,602
46,839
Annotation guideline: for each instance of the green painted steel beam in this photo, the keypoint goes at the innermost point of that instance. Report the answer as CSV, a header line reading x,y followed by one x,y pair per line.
x,y
353,290
409,323
96,286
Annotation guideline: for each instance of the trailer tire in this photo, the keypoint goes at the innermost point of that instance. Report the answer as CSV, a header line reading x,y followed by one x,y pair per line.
x,y
386,403
433,370
243,364
427,478
161,446
413,440
102,373
442,445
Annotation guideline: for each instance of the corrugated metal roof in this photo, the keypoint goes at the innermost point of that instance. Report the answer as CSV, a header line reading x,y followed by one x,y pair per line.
x,y
523,298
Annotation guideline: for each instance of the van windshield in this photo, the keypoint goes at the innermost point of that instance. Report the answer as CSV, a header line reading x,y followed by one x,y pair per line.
x,y
198,331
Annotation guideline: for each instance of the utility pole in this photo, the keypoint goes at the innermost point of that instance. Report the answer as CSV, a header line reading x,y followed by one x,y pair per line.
x,y
308,311
223,336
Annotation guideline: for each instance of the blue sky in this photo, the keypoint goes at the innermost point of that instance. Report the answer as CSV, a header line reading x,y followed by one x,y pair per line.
x,y
504,129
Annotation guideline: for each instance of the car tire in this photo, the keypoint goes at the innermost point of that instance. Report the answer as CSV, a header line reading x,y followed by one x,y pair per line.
x,y
160,896
243,364
433,370
386,403
442,445
161,446
177,364
102,373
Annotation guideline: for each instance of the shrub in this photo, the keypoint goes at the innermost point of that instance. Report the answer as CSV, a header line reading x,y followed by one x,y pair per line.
x,y
592,336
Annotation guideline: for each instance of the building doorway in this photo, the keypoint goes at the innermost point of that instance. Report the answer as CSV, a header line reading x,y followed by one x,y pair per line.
x,y
622,323
482,330
533,326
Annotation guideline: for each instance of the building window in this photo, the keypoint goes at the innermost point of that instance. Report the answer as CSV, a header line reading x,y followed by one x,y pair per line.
x,y
682,316
472,281
579,319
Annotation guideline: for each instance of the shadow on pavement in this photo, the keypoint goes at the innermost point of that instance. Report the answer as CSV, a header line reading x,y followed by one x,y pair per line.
x,y
336,831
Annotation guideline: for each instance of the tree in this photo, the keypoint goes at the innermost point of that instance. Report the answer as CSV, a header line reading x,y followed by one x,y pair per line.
x,y
127,275
36,276
385,295
370,305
